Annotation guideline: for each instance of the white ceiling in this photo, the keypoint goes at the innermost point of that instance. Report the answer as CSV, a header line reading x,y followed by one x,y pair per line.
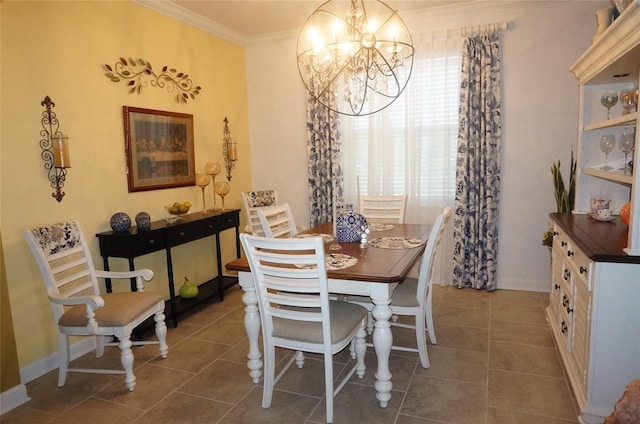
x,y
247,19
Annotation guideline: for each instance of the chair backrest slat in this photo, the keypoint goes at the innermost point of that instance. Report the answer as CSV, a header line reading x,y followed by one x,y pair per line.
x,y
64,260
291,279
388,209
253,200
277,221
430,254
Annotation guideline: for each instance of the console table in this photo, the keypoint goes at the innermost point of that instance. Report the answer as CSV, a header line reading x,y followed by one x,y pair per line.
x,y
164,236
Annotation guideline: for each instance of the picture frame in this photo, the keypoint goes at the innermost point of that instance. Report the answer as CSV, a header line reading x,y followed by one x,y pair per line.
x,y
159,149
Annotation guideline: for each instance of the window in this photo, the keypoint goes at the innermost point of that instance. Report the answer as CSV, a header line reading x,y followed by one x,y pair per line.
x,y
410,147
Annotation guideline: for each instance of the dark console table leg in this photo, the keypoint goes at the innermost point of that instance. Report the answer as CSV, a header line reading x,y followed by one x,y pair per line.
x,y
107,281
134,286
172,291
220,277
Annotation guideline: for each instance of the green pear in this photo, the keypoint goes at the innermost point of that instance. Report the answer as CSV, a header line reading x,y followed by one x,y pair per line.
x,y
188,289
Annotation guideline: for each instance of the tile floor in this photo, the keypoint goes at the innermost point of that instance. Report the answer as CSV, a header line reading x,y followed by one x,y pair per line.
x,y
495,363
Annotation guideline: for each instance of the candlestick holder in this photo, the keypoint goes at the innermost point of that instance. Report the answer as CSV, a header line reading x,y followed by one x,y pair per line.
x,y
55,149
229,149
213,169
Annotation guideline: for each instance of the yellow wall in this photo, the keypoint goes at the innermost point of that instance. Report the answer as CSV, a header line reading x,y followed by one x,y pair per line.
x,y
58,49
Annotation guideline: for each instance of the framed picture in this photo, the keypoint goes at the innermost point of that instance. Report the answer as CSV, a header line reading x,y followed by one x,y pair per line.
x,y
159,148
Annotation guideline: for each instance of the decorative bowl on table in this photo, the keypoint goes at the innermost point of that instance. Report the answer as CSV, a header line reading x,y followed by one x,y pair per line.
x,y
176,210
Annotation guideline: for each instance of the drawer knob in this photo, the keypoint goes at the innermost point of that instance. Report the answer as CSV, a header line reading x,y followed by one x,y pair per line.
x,y
555,233
556,286
181,233
563,327
583,270
151,241
563,243
567,274
569,310
565,301
569,253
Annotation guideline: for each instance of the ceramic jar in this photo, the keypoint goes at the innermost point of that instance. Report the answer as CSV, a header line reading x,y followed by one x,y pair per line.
x,y
350,225
120,222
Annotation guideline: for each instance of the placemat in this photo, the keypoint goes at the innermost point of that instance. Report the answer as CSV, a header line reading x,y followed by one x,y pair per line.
x,y
335,261
379,226
395,242
327,238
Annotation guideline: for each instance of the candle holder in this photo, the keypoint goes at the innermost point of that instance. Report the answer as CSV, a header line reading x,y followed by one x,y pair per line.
x,y
213,169
229,149
55,149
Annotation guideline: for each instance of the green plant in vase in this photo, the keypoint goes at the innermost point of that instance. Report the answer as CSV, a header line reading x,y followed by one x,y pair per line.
x,y
565,195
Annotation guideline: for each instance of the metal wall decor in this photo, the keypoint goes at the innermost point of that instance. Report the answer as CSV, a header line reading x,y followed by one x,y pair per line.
x,y
135,71
55,149
355,60
229,149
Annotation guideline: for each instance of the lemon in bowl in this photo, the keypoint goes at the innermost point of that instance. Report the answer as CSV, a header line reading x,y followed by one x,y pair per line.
x,y
176,209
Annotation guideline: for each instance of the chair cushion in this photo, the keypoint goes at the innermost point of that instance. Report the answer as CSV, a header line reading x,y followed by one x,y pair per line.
x,y
57,237
119,310
344,318
406,294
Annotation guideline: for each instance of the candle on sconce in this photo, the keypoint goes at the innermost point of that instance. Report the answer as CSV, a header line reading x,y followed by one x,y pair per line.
x,y
61,157
232,149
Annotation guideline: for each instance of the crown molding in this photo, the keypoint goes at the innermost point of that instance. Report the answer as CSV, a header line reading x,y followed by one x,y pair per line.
x,y
184,15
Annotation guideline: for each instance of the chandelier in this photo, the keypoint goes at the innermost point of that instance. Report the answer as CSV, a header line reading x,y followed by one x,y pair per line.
x,y
355,57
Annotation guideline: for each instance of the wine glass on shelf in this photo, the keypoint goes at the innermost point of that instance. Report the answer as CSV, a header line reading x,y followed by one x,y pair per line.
x,y
609,100
607,143
202,180
627,143
213,169
222,188
629,101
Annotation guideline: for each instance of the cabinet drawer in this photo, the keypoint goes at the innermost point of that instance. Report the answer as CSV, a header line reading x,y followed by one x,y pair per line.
x,y
128,246
189,232
229,220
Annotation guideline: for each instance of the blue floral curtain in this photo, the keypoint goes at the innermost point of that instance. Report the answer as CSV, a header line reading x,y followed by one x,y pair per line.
x,y
478,165
326,184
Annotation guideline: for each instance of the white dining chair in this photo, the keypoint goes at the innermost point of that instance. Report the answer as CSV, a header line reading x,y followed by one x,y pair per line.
x,y
277,221
413,297
291,284
387,209
254,200
65,263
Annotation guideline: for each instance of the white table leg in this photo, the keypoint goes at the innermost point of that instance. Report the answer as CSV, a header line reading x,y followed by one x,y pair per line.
x,y
382,340
251,325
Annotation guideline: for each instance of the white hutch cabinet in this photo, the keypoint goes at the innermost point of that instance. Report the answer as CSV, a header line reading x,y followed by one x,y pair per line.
x,y
594,305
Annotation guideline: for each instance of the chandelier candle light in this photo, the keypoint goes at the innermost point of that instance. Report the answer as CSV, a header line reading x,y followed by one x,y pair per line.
x,y
355,61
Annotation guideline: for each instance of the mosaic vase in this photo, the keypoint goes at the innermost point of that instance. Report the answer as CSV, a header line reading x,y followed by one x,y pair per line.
x,y
350,225
120,222
143,221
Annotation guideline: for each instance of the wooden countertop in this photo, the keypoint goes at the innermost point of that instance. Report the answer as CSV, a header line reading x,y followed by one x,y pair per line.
x,y
600,241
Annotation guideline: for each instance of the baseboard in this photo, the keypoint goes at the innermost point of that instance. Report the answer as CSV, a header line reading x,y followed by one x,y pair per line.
x,y
12,398
52,362
525,285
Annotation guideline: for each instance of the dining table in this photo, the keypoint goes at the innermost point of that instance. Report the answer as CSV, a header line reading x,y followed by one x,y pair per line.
x,y
373,269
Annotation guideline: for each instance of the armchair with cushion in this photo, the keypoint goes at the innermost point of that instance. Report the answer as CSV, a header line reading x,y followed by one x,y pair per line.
x,y
79,309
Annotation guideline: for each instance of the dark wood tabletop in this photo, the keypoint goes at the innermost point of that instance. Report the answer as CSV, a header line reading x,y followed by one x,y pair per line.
x,y
374,264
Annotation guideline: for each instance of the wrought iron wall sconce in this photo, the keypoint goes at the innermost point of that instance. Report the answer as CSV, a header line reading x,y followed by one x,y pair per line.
x,y
229,149
55,149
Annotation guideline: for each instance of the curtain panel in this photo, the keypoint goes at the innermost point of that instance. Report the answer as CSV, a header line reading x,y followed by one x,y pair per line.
x,y
324,164
475,223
